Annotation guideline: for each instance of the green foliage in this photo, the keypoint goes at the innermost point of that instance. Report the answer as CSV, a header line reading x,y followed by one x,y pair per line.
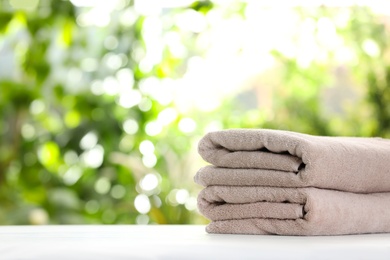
x,y
82,139
70,156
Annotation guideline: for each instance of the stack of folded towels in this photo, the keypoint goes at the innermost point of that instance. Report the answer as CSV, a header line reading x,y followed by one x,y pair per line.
x,y
287,183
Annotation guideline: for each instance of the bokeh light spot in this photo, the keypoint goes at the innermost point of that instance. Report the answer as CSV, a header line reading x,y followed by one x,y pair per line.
x,y
24,4
129,98
191,203
125,77
102,185
72,175
111,86
130,126
145,104
149,182
146,147
113,61
28,131
108,216
37,107
142,219
88,141
111,43
97,88
187,125
153,128
142,204
93,158
167,116
127,143
181,196
149,160
118,191
38,216
371,48
71,158
92,206
72,119
89,64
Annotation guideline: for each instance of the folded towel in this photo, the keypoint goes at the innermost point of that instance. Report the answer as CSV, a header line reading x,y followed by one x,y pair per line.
x,y
293,211
288,159
280,182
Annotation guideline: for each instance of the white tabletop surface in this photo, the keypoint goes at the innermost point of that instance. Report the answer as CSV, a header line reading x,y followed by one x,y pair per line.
x,y
178,242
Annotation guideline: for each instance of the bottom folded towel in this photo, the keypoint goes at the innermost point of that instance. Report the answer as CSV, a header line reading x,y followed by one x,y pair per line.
x,y
293,211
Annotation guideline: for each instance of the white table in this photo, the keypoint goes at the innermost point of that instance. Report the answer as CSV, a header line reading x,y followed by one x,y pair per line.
x,y
178,242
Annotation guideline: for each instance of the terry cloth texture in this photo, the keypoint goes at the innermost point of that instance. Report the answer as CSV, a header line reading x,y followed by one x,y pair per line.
x,y
280,182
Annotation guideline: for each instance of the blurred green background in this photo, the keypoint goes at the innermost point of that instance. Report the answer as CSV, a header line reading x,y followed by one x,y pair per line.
x,y
103,102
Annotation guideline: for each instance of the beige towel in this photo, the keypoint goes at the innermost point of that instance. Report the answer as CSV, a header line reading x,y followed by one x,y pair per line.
x,y
280,182
293,211
288,159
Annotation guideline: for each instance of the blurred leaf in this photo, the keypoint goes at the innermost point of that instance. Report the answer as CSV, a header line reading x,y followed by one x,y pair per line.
x,y
67,32
202,6
49,156
72,119
5,18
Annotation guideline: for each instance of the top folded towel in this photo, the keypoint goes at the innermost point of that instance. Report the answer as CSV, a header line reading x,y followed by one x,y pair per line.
x,y
289,159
